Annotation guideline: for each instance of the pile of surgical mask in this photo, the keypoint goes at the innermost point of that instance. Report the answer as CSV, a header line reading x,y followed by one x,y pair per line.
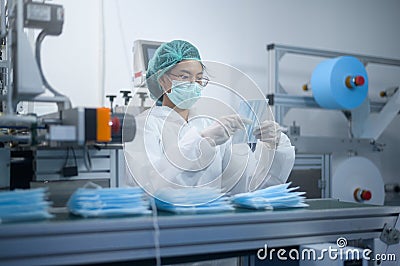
x,y
274,197
24,205
192,200
254,110
105,202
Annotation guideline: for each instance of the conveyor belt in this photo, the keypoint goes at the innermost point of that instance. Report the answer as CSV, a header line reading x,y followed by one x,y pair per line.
x,y
71,240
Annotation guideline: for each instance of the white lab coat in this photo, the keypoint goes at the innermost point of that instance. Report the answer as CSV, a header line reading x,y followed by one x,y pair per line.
x,y
168,151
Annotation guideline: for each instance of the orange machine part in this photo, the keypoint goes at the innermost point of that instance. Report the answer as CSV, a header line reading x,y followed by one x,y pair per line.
x,y
103,124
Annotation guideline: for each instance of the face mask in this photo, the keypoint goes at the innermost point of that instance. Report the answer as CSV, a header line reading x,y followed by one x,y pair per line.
x,y
274,197
192,200
97,202
184,94
255,110
24,205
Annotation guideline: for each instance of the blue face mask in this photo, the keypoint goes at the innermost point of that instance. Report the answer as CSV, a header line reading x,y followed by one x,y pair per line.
x,y
274,197
255,110
24,205
184,94
192,200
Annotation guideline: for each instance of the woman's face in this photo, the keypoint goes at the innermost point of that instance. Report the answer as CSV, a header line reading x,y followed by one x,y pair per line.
x,y
188,70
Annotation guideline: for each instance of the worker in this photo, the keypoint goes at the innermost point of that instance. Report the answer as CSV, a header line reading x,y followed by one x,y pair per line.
x,y
176,148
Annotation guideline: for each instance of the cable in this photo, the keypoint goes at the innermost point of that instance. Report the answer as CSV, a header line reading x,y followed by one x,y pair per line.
x,y
121,30
87,159
70,171
156,232
73,154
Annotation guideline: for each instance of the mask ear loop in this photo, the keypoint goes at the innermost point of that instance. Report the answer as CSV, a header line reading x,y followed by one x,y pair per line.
x,y
161,86
90,184
172,84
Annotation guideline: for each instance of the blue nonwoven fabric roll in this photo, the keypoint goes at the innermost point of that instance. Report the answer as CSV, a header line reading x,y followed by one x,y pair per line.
x,y
328,82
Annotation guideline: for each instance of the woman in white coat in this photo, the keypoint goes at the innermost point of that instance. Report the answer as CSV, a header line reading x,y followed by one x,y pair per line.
x,y
175,148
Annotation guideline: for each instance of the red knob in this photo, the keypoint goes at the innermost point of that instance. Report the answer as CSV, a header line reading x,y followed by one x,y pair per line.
x,y
359,80
116,125
366,195
361,195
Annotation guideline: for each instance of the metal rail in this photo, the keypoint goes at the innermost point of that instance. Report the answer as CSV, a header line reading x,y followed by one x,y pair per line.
x,y
325,53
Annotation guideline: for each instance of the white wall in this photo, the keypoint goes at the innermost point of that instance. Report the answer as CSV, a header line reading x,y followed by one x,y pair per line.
x,y
231,31
71,60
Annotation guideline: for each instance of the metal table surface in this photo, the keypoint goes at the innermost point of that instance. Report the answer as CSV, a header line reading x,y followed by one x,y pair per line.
x,y
71,240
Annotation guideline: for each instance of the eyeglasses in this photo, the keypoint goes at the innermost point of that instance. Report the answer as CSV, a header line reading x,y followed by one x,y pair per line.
x,y
203,81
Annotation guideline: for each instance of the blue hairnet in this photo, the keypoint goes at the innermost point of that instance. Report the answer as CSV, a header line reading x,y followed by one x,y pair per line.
x,y
166,56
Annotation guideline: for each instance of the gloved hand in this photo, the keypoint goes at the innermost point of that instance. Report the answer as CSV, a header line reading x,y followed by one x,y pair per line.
x,y
268,132
220,131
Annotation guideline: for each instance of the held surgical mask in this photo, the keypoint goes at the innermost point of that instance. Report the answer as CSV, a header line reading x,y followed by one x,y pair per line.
x,y
184,94
256,111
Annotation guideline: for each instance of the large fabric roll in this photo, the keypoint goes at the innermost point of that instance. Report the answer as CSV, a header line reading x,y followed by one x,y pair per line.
x,y
340,83
357,179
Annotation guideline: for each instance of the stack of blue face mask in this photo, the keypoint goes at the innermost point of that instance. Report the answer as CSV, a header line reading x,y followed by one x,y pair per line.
x,y
103,202
275,197
24,205
192,200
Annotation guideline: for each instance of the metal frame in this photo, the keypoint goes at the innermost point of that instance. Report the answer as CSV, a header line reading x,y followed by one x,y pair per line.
x,y
296,101
320,162
4,168
16,32
284,101
104,164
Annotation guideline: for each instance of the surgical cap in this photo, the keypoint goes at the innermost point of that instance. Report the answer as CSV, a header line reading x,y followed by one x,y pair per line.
x,y
166,56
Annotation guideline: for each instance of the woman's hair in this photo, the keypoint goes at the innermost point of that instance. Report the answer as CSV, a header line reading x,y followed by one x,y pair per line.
x,y
165,58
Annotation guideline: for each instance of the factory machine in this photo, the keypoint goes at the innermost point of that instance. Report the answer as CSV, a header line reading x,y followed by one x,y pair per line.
x,y
336,85
60,150
66,149
335,165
